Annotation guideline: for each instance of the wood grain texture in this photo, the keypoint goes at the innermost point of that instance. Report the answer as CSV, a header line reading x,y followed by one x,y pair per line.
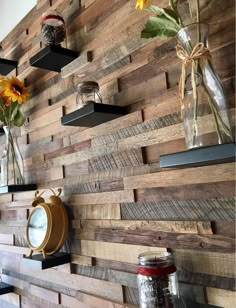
x,y
165,239
197,175
113,186
221,298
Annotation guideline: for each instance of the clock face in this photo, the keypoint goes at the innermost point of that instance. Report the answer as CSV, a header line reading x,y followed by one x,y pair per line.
x,y
37,228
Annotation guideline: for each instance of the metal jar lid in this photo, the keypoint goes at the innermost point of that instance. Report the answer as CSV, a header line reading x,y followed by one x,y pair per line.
x,y
87,84
155,259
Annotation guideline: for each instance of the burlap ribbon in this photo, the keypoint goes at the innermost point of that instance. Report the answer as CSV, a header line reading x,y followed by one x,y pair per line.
x,y
190,59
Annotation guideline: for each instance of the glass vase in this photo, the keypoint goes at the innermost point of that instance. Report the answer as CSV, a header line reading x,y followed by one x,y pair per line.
x,y
205,108
12,167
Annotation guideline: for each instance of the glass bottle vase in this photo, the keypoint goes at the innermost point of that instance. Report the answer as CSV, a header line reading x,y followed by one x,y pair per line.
x,y
12,168
205,112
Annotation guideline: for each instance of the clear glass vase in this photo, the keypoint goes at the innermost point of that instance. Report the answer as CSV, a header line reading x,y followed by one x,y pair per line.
x,y
205,110
12,168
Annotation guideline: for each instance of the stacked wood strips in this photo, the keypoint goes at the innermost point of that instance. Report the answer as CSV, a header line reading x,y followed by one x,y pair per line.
x,y
120,202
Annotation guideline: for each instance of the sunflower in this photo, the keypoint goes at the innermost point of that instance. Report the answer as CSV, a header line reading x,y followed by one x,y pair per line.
x,y
141,3
15,90
6,100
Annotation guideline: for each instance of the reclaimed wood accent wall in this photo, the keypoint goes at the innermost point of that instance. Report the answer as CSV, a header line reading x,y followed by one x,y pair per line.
x,y
120,202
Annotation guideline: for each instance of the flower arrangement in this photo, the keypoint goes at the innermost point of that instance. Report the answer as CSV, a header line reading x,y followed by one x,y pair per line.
x,y
13,94
199,83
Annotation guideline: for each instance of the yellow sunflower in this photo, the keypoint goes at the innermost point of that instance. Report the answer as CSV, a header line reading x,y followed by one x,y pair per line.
x,y
140,4
15,89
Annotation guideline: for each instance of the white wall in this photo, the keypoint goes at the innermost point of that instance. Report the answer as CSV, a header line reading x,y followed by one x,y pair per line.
x,y
11,13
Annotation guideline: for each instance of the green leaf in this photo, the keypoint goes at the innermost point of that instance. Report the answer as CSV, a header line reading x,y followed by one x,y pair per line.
x,y
168,13
19,118
160,27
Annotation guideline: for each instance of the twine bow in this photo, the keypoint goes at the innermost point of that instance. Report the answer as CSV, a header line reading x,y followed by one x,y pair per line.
x,y
189,59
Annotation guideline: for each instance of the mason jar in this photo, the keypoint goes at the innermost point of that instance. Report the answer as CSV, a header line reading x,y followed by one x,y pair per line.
x,y
88,92
53,29
157,280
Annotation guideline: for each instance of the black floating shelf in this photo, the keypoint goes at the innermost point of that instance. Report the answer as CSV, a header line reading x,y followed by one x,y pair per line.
x,y
200,156
38,262
5,288
93,114
6,66
53,58
17,188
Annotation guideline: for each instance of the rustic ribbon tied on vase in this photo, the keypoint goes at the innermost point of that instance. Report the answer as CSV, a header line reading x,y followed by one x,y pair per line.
x,y
189,59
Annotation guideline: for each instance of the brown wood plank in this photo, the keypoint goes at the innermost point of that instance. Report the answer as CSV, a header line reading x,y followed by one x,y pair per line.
x,y
186,227
197,175
166,239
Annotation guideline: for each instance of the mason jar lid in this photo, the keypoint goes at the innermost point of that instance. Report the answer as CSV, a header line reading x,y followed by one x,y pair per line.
x,y
155,259
87,84
50,16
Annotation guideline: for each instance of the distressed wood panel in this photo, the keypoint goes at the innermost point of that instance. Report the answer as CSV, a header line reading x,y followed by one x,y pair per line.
x,y
113,187
114,251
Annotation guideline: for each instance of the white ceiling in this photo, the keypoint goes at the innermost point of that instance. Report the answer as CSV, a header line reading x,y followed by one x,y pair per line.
x,y
11,13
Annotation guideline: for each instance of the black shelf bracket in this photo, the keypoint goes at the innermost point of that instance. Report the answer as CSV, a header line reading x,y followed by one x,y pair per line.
x,y
5,288
17,188
6,66
53,58
38,262
200,156
93,114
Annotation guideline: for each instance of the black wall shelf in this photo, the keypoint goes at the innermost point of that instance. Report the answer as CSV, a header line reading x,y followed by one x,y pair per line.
x,y
38,262
17,188
53,58
93,114
5,288
200,156
6,66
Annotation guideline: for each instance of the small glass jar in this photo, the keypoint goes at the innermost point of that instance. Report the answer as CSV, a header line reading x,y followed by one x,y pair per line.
x,y
88,92
157,280
53,29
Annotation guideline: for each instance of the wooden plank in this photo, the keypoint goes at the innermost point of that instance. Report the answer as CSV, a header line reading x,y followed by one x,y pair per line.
x,y
206,280
48,118
82,260
213,209
197,175
44,293
11,298
14,249
186,227
222,298
98,211
102,198
7,239
213,263
167,239
115,251
187,192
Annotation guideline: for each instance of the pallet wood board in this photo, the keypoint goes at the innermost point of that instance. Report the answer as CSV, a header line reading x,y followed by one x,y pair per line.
x,y
119,201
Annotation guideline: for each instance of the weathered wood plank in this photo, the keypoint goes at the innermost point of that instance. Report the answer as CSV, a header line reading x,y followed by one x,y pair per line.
x,y
187,227
197,175
222,298
97,211
167,239
102,198
7,239
115,251
212,209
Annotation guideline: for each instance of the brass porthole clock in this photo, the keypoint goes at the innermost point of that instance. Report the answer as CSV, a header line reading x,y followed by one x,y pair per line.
x,y
47,225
